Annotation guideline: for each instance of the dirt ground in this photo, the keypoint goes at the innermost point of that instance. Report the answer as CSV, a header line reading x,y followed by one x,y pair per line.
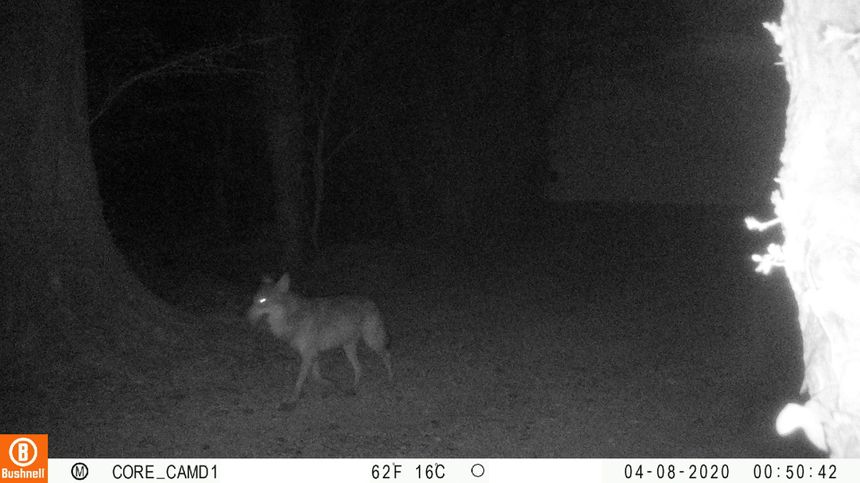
x,y
594,332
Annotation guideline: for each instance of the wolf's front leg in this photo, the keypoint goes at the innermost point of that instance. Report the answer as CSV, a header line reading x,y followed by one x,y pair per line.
x,y
288,404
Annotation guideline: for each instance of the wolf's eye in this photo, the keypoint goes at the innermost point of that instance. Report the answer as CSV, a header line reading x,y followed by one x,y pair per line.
x,y
261,300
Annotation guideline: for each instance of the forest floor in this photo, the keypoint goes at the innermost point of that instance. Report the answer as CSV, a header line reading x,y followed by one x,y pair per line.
x,y
592,332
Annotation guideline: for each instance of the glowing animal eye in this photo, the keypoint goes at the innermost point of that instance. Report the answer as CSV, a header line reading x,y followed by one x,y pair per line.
x,y
262,300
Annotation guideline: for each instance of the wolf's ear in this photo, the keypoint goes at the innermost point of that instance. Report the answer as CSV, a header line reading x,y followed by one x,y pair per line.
x,y
267,280
283,284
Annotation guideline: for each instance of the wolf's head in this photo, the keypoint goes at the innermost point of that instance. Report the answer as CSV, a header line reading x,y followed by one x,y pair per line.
x,y
272,302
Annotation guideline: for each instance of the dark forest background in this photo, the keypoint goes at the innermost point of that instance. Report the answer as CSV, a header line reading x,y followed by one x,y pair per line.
x,y
440,115
545,199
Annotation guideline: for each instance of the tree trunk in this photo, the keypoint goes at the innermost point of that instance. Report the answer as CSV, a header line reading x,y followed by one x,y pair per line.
x,y
818,205
319,181
536,156
69,303
286,150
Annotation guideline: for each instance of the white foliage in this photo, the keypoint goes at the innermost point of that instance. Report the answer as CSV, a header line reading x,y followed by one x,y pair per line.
x,y
808,417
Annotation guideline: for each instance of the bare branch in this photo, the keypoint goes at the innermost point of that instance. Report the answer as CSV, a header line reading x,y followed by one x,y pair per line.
x,y
342,142
199,62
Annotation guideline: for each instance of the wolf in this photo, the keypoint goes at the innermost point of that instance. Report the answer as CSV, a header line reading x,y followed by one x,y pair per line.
x,y
314,325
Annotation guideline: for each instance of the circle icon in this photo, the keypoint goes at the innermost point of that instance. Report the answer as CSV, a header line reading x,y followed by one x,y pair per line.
x,y
80,471
23,452
477,470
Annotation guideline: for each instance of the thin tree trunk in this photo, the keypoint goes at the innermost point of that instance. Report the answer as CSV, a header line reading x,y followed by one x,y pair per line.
x,y
320,158
319,181
819,207
286,146
536,155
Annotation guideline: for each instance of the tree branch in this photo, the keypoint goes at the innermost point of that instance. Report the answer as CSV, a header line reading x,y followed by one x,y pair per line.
x,y
199,62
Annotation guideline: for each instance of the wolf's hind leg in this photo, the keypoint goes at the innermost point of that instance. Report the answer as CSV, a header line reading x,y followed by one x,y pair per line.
x,y
351,351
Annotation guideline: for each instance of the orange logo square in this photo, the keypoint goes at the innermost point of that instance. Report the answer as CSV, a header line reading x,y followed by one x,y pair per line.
x,y
24,458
